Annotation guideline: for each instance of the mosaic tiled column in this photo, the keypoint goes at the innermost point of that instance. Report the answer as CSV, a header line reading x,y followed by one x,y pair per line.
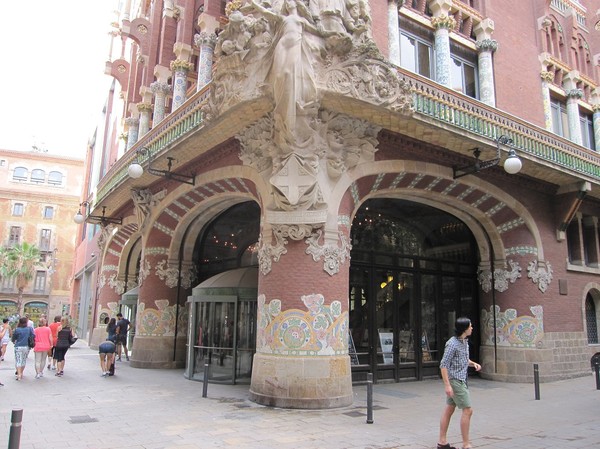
x,y
206,42
487,93
301,358
596,118
160,89
443,25
547,78
132,124
145,110
393,32
573,97
180,70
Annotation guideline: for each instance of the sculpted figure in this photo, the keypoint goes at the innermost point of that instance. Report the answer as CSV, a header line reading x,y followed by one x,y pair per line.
x,y
291,73
235,37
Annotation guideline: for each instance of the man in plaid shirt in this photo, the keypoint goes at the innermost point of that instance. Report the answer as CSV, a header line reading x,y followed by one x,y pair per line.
x,y
453,367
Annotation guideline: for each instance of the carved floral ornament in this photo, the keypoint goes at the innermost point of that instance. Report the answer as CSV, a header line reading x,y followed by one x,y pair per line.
x,y
171,275
538,271
333,255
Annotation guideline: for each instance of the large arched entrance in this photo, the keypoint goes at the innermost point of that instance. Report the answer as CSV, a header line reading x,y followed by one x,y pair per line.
x,y
413,271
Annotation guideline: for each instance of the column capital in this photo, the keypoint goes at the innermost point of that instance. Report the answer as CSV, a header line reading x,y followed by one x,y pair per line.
x,y
443,22
596,107
574,93
132,121
547,76
484,29
160,87
179,65
204,39
487,45
144,107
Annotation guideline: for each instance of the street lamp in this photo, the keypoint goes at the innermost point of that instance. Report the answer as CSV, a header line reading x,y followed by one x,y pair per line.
x,y
135,169
512,164
102,220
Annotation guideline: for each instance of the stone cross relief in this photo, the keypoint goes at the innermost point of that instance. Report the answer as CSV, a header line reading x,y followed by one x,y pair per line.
x,y
293,52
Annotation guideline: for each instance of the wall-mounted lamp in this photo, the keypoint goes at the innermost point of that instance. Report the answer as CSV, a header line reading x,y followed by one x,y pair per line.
x,y
136,170
512,164
102,220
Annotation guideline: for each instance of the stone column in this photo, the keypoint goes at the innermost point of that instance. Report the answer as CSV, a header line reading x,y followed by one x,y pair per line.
x,y
547,78
393,32
596,119
301,358
132,124
443,25
206,42
145,110
487,93
180,70
160,89
573,97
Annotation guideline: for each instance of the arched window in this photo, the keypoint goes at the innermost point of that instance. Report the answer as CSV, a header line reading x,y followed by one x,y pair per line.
x,y
20,173
591,319
55,178
38,175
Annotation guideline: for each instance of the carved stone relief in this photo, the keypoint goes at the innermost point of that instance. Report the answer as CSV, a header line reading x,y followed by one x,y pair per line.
x,y
144,201
169,275
501,277
540,273
332,254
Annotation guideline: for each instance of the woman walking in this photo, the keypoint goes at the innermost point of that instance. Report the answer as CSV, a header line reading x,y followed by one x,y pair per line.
x,y
64,340
5,337
20,338
43,343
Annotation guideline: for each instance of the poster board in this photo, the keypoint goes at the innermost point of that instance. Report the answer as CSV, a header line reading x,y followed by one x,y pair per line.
x,y
405,341
386,340
425,347
352,349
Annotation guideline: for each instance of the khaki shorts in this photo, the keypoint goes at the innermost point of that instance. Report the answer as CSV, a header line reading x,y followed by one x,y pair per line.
x,y
462,397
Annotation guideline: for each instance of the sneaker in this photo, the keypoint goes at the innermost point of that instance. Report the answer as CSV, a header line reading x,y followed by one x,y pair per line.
x,y
37,376
41,374
119,359
127,357
49,366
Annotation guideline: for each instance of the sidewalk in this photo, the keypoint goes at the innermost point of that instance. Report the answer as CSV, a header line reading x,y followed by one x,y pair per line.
x,y
160,409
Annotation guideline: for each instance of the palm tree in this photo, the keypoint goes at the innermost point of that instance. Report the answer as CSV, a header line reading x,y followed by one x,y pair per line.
x,y
19,262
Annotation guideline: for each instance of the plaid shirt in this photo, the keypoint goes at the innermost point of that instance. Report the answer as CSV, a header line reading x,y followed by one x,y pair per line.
x,y
456,358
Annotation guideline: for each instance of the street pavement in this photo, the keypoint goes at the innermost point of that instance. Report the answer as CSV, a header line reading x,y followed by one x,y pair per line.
x,y
160,409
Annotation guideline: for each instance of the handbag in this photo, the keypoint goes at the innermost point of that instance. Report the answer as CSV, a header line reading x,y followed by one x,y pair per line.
x,y
31,340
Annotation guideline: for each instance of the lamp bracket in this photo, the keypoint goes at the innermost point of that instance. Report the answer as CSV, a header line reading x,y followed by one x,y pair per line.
x,y
478,164
168,174
102,220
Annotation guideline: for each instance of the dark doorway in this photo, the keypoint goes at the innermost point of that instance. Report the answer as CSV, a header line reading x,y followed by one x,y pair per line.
x,y
413,271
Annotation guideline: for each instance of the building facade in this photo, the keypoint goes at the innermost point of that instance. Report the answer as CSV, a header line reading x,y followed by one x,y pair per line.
x,y
303,192
40,193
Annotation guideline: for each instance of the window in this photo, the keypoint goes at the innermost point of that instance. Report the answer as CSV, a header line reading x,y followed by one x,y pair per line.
x,y
463,76
20,174
55,178
591,320
8,284
560,122
15,235
45,237
18,210
38,175
48,212
587,131
416,55
39,283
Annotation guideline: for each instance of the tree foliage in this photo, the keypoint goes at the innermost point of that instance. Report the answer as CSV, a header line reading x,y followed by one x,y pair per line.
x,y
19,262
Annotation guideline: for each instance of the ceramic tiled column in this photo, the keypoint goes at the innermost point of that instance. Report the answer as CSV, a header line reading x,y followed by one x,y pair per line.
x,y
160,89
393,32
596,118
573,97
180,70
547,78
443,25
132,124
145,110
206,42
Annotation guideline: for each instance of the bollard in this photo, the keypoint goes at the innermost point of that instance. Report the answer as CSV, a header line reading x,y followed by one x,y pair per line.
x,y
597,371
205,382
536,381
369,398
14,437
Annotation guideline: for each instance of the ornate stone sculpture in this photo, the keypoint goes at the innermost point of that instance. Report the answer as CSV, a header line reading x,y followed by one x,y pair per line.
x,y
144,201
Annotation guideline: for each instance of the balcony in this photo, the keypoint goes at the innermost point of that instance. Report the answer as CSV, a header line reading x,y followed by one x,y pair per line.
x,y
442,117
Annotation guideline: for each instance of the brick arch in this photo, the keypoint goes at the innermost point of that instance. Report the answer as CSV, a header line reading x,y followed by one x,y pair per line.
x,y
115,253
483,207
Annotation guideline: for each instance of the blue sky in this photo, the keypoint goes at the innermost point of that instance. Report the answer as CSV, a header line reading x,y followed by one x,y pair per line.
x,y
52,82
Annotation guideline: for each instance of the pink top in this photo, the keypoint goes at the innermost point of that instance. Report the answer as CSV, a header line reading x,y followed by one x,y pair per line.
x,y
42,339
